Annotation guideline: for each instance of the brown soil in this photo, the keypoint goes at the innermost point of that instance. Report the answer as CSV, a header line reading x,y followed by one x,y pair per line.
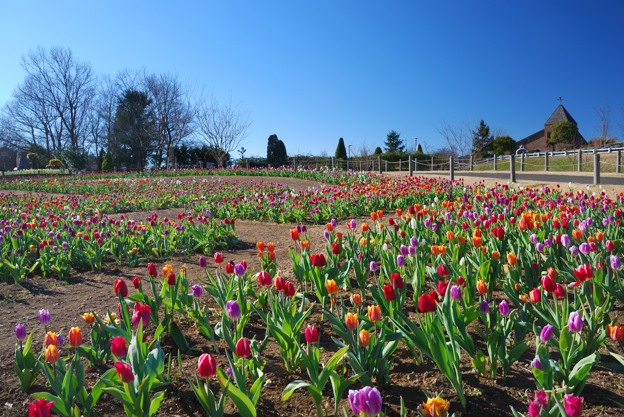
x,y
87,291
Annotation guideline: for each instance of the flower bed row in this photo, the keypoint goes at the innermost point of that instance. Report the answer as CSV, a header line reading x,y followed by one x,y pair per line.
x,y
487,270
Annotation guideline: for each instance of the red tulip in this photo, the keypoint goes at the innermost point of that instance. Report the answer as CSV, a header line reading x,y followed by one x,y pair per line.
x,y
335,248
318,259
120,287
171,278
218,257
311,334
206,365
559,291
119,346
264,279
443,271
40,408
389,292
535,295
229,267
124,371
151,270
582,273
289,289
442,286
243,348
397,280
427,302
136,281
141,313
75,337
548,283
279,283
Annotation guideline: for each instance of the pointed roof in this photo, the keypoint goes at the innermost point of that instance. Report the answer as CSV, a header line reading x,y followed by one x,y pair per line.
x,y
559,115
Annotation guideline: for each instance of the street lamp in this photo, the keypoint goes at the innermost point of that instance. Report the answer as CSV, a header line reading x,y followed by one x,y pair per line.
x,y
415,145
350,151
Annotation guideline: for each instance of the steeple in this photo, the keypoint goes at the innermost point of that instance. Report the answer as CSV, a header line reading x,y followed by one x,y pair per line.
x,y
560,114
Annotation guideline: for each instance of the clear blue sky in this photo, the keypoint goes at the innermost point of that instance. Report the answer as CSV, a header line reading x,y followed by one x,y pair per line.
x,y
314,71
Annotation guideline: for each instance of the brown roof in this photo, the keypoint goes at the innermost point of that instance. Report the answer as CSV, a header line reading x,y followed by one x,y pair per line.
x,y
535,136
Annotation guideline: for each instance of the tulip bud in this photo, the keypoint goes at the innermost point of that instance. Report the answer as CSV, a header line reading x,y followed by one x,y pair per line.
x,y
120,288
503,307
572,405
243,348
44,316
232,309
75,337
20,332
546,333
51,353
203,263
124,371
119,348
311,334
206,366
218,257
364,337
575,322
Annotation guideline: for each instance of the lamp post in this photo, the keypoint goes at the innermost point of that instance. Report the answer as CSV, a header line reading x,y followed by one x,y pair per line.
x,y
349,158
415,145
350,151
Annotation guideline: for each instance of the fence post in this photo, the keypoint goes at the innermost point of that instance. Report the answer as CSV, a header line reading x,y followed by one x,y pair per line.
x,y
432,163
596,168
379,162
512,167
452,167
332,161
495,158
471,161
386,165
580,160
360,164
521,163
409,163
546,161
348,164
618,161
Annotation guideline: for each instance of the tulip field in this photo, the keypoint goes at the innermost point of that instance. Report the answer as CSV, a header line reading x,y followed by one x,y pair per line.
x,y
309,293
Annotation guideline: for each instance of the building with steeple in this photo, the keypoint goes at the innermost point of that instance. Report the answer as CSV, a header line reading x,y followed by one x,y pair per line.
x,y
538,141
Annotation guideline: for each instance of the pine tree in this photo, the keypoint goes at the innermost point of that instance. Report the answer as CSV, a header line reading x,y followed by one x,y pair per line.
x,y
276,151
394,143
481,140
341,151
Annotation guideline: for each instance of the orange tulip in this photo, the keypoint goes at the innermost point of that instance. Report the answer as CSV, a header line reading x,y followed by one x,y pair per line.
x,y
260,246
329,227
495,255
51,354
305,244
374,313
482,287
331,286
351,321
356,299
363,241
50,339
616,332
365,227
599,236
88,318
167,269
435,407
75,337
450,236
399,212
476,241
364,338
461,240
577,234
476,233
271,246
373,215
438,250
512,259
338,236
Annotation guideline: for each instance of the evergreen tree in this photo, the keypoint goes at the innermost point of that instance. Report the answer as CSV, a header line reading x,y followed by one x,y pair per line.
x,y
276,151
341,151
394,143
419,150
481,140
503,145
378,151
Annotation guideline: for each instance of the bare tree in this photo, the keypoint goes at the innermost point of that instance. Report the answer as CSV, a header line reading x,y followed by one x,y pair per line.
x,y
64,86
603,113
223,127
458,138
172,112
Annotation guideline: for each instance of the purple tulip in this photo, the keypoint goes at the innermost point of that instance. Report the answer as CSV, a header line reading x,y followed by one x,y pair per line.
x,y
373,266
197,291
484,307
400,261
574,251
533,238
503,307
535,363
367,401
404,250
20,332
44,316
584,248
232,308
539,247
456,292
202,262
575,322
546,333
615,262
413,241
239,269
411,250
565,240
